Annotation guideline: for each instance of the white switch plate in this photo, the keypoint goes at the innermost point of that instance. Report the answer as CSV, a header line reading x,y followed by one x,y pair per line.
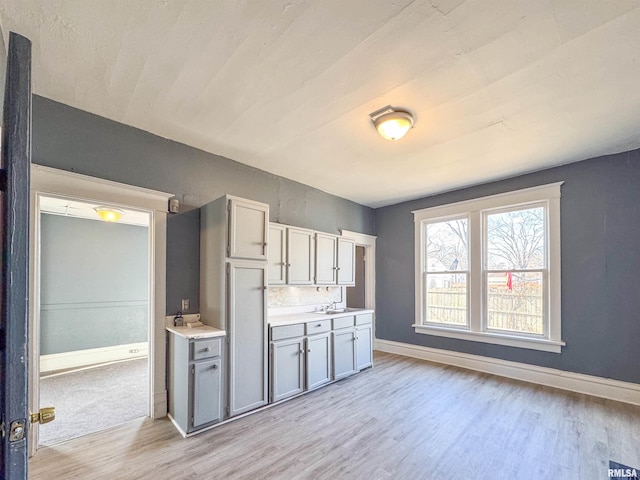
x,y
185,304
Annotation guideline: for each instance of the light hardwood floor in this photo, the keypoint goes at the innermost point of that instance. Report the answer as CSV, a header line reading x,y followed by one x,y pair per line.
x,y
405,419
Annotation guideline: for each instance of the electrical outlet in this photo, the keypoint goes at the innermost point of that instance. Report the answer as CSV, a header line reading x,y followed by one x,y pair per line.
x,y
185,304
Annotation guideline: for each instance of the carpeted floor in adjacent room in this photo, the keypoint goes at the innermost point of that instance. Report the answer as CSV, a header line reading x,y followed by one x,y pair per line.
x,y
94,399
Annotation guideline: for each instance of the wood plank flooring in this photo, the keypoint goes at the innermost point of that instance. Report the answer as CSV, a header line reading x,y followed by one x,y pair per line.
x,y
404,419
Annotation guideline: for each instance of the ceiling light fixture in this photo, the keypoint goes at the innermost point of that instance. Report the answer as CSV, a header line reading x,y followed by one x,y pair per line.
x,y
109,214
392,124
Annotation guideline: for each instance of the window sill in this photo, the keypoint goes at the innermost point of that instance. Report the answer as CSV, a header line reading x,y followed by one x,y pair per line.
x,y
494,338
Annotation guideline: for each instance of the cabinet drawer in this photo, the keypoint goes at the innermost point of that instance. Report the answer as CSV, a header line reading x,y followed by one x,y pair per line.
x,y
364,318
343,322
208,348
287,331
318,327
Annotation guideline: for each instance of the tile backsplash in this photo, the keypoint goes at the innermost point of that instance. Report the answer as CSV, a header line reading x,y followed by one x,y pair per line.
x,y
300,296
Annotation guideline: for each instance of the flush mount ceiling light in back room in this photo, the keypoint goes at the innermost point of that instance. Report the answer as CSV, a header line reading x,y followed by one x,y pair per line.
x,y
109,214
391,124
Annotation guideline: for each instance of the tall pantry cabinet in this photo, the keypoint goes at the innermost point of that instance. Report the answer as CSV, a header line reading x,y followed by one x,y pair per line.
x,y
233,295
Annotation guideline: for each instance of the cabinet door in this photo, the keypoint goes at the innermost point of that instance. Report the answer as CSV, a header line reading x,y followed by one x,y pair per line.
x,y
318,360
346,261
287,368
299,256
326,258
247,333
206,392
277,254
344,353
364,350
248,224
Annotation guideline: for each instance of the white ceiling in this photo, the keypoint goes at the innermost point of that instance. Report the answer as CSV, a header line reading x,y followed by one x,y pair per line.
x,y
86,210
497,87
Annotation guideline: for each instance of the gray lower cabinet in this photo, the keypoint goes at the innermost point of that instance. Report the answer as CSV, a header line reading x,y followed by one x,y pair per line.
x,y
364,351
364,340
344,353
206,392
287,368
195,375
305,356
319,353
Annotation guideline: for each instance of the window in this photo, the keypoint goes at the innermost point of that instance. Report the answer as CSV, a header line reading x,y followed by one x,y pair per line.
x,y
489,269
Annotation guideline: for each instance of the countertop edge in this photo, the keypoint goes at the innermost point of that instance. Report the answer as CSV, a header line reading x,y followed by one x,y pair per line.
x,y
197,332
293,318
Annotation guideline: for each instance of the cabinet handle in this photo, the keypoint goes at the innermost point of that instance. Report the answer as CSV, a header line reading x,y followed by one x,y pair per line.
x,y
288,264
265,287
215,367
265,244
319,325
208,349
337,268
309,350
301,352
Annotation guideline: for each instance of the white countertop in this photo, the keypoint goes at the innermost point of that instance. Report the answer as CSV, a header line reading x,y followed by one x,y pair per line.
x,y
293,318
205,331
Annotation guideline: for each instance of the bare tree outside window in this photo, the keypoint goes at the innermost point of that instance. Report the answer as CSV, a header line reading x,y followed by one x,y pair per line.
x,y
515,248
447,272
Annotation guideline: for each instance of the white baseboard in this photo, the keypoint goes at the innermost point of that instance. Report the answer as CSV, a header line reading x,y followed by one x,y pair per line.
x,y
91,356
575,382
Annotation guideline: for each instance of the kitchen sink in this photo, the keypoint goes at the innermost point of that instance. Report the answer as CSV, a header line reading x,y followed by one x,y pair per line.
x,y
337,310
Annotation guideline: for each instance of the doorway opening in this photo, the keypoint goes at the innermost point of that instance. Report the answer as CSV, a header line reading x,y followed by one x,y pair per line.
x,y
94,317
365,266
356,294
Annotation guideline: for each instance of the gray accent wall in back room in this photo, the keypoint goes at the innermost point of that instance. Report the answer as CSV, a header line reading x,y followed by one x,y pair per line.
x,y
94,284
70,139
600,227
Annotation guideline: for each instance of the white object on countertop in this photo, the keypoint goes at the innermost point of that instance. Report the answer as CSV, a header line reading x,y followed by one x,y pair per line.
x,y
194,324
186,318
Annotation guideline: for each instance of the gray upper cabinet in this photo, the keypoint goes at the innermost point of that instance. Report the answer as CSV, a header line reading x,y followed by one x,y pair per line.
x,y
326,259
299,256
291,255
248,223
277,254
346,261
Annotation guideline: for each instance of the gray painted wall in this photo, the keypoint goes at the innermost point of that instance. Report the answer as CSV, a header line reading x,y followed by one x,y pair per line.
x,y
77,141
94,284
600,268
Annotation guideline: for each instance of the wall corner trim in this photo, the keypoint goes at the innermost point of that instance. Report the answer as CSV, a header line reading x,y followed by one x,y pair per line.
x,y
620,391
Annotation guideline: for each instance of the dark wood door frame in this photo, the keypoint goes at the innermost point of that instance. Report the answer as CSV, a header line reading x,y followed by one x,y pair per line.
x,y
16,160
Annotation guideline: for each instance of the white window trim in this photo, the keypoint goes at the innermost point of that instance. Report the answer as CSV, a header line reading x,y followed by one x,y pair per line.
x,y
549,194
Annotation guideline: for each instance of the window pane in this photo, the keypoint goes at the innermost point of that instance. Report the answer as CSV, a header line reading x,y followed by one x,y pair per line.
x,y
515,302
515,239
447,246
447,298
